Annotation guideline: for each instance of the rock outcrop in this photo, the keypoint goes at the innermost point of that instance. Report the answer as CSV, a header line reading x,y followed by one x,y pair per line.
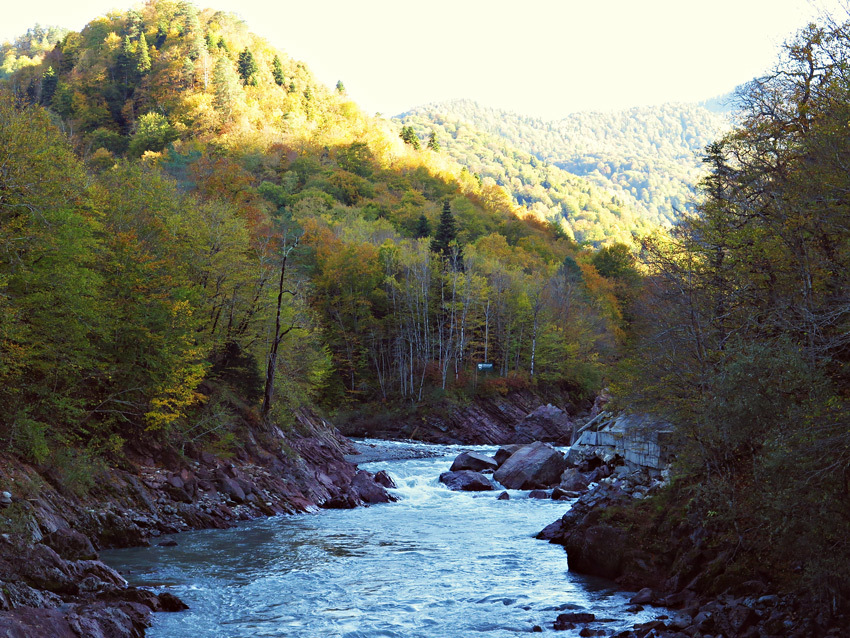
x,y
474,461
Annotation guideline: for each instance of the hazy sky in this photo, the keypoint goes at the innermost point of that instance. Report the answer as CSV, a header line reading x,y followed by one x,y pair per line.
x,y
539,57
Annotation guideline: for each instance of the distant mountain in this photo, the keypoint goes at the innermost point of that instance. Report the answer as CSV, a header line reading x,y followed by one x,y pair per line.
x,y
646,158
588,212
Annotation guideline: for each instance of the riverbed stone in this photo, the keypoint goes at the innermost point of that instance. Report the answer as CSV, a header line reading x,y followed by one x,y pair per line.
x,y
534,466
364,486
506,451
540,494
504,496
383,478
466,481
474,461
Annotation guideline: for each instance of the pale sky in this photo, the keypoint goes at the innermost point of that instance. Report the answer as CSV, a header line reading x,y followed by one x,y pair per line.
x,y
537,57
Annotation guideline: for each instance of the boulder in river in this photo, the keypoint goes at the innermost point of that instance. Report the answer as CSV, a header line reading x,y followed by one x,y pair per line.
x,y
364,486
506,451
573,481
534,466
474,461
383,478
466,481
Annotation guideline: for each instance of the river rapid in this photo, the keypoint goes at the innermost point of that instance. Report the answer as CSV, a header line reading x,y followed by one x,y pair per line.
x,y
435,564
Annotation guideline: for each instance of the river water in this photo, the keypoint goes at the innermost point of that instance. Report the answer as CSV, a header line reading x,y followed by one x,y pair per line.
x,y
436,564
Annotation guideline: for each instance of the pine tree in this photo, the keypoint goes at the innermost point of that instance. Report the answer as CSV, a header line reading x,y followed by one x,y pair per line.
x,y
446,234
277,71
433,144
48,85
248,67
227,87
409,136
340,87
143,64
423,228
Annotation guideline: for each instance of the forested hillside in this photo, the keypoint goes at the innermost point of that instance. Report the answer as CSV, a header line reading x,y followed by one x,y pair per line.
x,y
190,222
587,211
644,159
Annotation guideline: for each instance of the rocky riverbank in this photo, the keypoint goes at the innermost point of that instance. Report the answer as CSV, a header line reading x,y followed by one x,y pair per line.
x,y
51,583
518,416
615,531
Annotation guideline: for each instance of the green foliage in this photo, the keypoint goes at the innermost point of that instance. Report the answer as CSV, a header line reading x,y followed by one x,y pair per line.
x,y
153,133
277,71
247,67
744,327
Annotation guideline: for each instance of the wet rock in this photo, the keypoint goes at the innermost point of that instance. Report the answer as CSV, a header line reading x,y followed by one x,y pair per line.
x,y
645,596
541,494
474,461
168,543
569,620
341,502
573,481
466,481
546,423
70,544
534,466
382,478
230,488
364,486
506,451
560,494
504,496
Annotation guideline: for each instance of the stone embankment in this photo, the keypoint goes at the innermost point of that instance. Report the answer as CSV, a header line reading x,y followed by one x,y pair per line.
x,y
51,583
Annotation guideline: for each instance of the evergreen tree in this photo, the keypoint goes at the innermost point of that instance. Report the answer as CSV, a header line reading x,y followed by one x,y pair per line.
x,y
423,228
143,64
340,87
409,136
222,44
446,234
433,144
277,71
227,88
48,85
248,68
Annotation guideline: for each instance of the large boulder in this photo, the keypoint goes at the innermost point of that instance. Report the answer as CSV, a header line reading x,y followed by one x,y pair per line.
x,y
368,490
534,466
474,461
506,451
466,481
546,423
573,481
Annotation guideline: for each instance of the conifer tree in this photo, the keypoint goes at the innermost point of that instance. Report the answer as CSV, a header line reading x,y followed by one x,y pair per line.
x,y
248,67
409,136
433,144
227,88
340,87
446,234
48,85
143,64
277,71
423,228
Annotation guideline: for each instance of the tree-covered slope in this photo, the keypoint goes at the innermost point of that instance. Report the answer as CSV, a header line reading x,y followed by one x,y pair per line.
x,y
206,229
589,212
648,158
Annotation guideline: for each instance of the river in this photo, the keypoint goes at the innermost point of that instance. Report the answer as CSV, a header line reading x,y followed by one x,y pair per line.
x,y
436,564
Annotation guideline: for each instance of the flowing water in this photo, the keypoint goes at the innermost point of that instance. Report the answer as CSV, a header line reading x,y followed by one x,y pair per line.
x,y
436,564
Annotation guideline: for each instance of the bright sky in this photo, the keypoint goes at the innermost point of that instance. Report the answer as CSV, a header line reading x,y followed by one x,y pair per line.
x,y
537,57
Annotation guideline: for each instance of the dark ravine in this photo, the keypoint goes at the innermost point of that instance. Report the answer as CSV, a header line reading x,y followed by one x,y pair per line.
x,y
51,583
